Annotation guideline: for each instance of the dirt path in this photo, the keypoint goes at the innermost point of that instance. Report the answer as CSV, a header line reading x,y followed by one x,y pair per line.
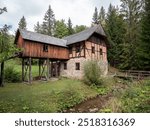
x,y
95,104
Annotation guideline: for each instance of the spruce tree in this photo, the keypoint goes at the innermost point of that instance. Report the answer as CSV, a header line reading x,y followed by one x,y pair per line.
x,y
144,46
95,17
70,28
115,29
23,24
131,11
49,22
101,16
37,27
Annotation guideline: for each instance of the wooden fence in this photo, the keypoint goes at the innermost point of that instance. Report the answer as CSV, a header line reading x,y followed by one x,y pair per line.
x,y
135,74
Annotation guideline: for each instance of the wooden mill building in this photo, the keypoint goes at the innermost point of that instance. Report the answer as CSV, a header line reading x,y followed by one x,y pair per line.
x,y
62,57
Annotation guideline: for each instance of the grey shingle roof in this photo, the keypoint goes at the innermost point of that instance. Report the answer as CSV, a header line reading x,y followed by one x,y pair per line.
x,y
42,38
78,37
84,35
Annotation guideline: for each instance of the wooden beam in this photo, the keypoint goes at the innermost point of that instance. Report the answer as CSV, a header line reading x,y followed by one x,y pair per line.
x,y
48,65
23,78
39,68
30,73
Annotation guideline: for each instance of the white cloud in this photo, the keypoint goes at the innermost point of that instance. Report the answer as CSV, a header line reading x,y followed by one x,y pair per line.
x,y
80,11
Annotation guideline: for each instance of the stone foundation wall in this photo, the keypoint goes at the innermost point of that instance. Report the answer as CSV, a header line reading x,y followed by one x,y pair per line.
x,y
71,71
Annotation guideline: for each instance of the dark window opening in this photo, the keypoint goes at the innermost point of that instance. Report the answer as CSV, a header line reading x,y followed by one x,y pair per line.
x,y
45,48
77,48
101,52
70,50
93,49
77,66
65,66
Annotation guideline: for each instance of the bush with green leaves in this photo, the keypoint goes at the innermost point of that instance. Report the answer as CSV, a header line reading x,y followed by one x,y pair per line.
x,y
92,73
11,75
69,97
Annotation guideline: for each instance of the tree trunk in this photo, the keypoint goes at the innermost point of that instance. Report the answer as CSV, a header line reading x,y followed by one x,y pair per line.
x,y
2,74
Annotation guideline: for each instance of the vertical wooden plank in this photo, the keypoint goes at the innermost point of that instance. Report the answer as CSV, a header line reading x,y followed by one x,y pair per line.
x,y
48,65
30,73
56,69
23,69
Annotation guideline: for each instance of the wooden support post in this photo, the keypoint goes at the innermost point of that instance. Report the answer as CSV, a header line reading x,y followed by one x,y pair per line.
x,y
56,68
47,62
23,64
2,74
30,73
39,68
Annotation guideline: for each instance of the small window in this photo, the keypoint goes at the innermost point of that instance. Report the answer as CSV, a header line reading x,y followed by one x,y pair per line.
x,y
65,66
70,50
93,49
45,48
101,52
77,48
77,66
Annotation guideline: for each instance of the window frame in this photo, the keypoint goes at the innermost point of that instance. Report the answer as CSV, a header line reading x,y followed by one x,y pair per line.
x,y
93,49
65,65
45,48
77,66
101,51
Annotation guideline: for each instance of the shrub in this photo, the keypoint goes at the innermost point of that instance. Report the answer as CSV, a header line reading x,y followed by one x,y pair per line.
x,y
68,98
11,75
92,73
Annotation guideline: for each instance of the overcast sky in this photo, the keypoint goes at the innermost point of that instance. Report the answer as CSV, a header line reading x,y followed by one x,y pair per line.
x,y
80,11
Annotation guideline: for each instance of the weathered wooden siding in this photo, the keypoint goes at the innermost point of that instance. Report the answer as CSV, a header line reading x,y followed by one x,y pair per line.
x,y
35,50
20,42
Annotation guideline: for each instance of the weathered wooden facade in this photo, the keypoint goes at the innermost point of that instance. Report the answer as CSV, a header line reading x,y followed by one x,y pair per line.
x,y
65,57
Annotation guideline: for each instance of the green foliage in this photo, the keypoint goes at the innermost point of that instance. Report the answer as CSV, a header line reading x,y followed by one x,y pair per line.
x,y
95,16
61,29
144,46
37,27
69,27
101,16
71,96
48,23
79,28
115,29
136,98
51,96
22,24
11,75
92,73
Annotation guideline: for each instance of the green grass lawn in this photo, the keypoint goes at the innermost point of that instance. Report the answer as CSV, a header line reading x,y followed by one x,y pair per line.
x,y
52,96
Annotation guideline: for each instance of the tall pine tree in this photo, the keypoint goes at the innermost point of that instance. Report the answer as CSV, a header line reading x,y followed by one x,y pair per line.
x,y
37,27
22,24
144,46
115,29
101,16
95,17
70,28
131,11
49,22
